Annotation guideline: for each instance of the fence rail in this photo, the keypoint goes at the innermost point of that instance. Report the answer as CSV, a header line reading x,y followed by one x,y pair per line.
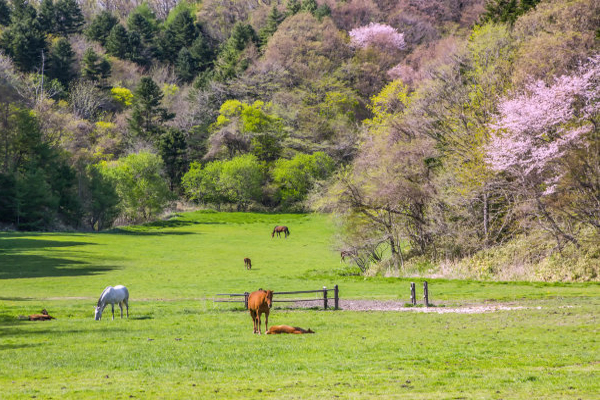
x,y
324,299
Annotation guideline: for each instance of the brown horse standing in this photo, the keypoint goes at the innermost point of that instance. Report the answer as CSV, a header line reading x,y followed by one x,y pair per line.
x,y
260,302
278,229
247,263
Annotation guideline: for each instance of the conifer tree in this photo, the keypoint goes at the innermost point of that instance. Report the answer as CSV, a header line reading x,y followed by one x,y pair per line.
x,y
117,42
60,63
273,20
69,18
185,66
100,27
94,67
293,7
4,13
148,115
172,148
47,16
309,6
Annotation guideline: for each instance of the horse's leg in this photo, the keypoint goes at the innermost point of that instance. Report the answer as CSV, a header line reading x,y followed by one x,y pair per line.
x,y
113,310
258,320
126,301
121,307
267,321
253,316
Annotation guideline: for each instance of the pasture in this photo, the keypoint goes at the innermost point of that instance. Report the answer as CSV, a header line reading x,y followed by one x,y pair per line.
x,y
178,344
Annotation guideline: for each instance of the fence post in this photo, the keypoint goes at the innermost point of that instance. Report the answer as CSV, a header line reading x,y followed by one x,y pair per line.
x,y
324,298
246,294
336,292
413,296
426,293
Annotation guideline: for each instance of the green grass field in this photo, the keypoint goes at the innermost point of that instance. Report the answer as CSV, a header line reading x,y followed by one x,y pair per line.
x,y
177,343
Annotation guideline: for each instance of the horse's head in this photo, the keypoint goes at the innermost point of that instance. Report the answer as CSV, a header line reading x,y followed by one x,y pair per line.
x,y
98,313
269,298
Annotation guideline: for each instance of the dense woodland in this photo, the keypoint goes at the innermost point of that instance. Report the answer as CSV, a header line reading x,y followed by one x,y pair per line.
x,y
458,135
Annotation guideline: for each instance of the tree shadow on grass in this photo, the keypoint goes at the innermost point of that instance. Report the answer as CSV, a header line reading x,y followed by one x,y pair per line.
x,y
15,262
146,232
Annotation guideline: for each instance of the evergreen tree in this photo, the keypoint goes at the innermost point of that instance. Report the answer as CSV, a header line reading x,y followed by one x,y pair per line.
x,y
143,21
172,148
229,63
101,26
4,13
309,6
101,199
69,18
25,42
180,32
202,53
47,16
185,66
60,63
323,11
293,7
117,42
273,20
147,115
94,67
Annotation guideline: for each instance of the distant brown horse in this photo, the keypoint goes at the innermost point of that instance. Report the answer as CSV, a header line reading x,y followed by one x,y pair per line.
x,y
278,229
260,302
247,263
287,329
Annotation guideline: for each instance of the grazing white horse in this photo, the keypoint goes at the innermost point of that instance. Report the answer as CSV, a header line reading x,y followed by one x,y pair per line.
x,y
111,295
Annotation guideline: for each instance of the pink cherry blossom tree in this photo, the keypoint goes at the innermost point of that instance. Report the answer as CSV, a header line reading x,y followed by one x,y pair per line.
x,y
547,137
379,35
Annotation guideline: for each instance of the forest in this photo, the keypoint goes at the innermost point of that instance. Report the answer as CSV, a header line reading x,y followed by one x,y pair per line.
x,y
458,138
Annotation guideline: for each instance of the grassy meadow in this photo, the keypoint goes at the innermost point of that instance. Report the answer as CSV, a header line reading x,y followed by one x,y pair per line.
x,y
177,343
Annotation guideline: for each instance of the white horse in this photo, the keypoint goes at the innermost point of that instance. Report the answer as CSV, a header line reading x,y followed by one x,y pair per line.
x,y
111,295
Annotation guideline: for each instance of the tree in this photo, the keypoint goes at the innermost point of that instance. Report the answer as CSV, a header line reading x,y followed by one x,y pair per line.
x,y
293,7
4,13
61,62
101,26
379,35
69,18
295,178
309,6
547,140
185,66
148,115
94,67
140,184
24,41
273,20
47,16
101,199
230,61
118,42
242,178
172,148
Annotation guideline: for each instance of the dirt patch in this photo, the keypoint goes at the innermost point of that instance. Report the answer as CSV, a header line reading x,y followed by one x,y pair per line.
x,y
376,305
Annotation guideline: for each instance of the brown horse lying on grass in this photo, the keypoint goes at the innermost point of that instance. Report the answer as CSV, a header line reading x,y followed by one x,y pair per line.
x,y
260,302
287,329
247,263
41,317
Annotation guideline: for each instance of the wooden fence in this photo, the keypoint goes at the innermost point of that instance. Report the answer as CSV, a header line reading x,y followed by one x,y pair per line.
x,y
243,297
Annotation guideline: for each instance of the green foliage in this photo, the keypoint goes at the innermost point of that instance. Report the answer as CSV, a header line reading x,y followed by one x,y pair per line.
x,y
24,41
506,11
173,148
101,200
293,7
122,95
140,184
143,21
69,18
237,181
61,62
4,13
94,67
47,16
294,178
273,20
231,60
101,26
148,115
118,42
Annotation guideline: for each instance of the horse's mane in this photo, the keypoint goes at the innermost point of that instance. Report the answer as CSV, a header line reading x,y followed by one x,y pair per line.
x,y
102,295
